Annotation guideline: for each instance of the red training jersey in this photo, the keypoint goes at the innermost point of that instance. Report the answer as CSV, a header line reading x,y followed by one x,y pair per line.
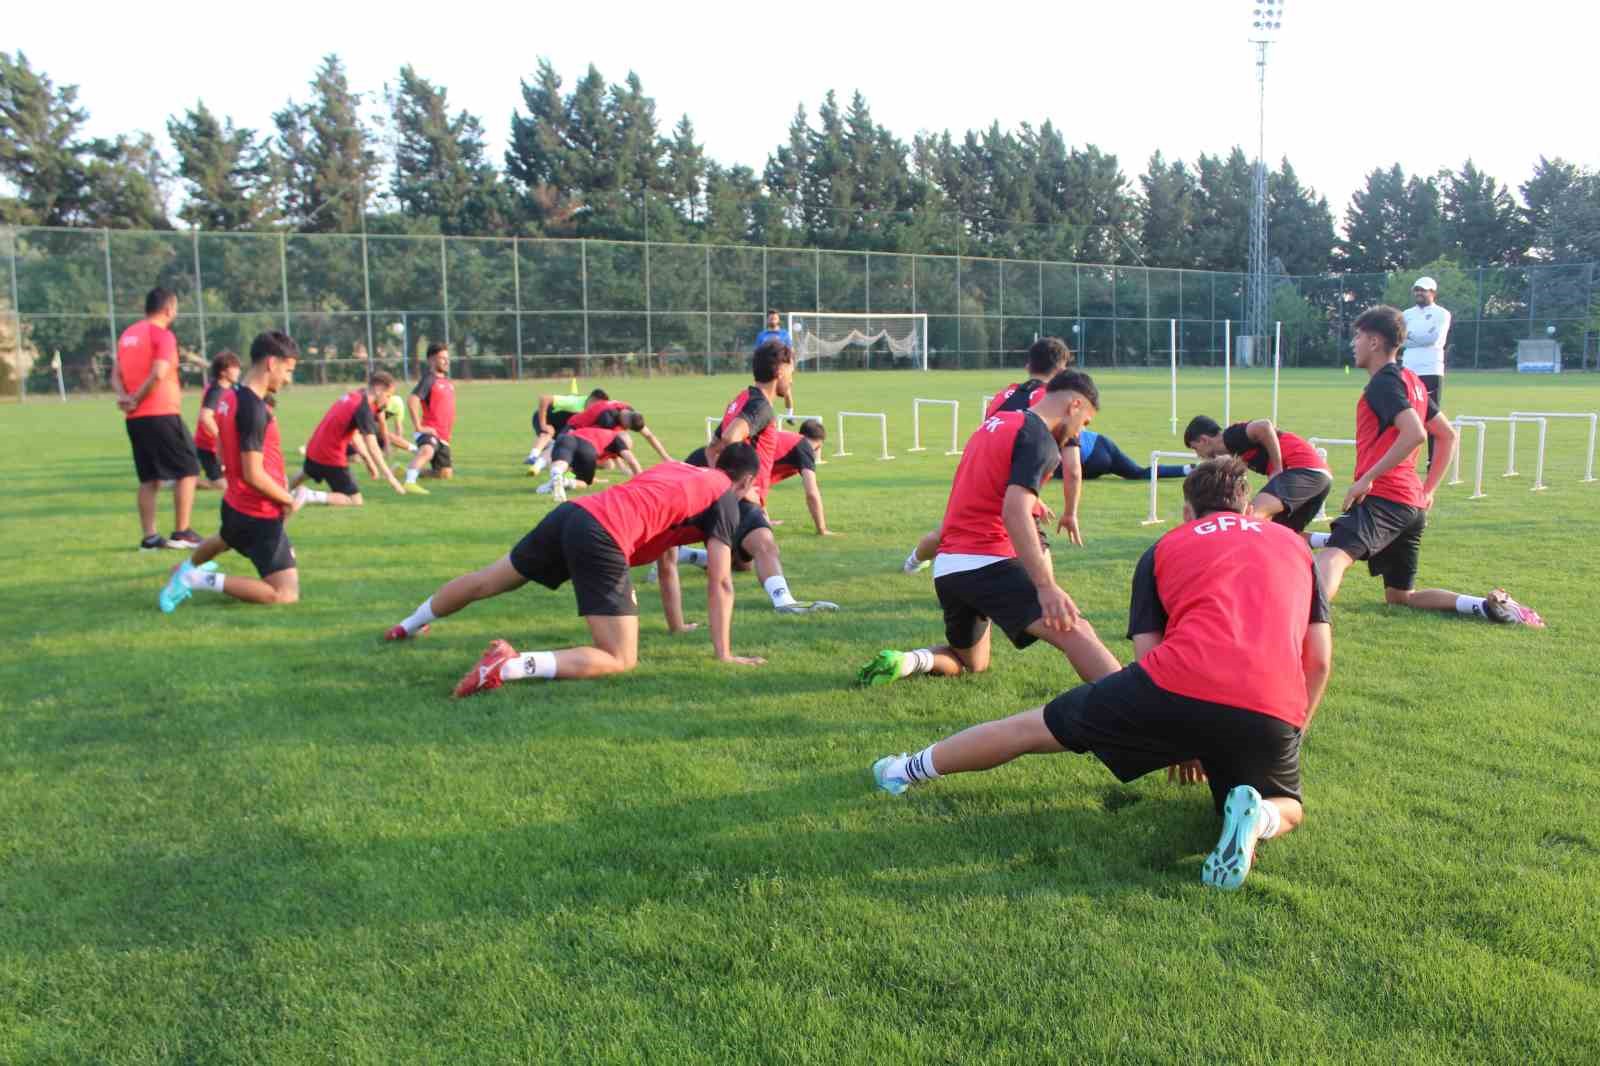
x,y
752,406
438,396
795,453
1010,448
204,439
140,347
1018,397
349,415
1232,598
601,438
595,414
1297,453
246,424
648,505
1390,392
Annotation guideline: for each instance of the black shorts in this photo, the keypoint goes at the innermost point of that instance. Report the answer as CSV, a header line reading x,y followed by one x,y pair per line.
x,y
1302,490
1000,591
1133,726
578,454
210,465
558,419
1388,535
751,518
337,478
698,457
570,545
162,448
441,451
261,540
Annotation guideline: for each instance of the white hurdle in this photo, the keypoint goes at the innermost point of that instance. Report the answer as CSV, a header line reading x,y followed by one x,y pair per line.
x,y
883,430
1483,434
1154,519
1317,443
917,404
983,403
712,422
1511,450
1592,417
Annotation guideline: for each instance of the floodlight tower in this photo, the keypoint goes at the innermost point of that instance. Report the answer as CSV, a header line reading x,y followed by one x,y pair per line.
x,y
1266,18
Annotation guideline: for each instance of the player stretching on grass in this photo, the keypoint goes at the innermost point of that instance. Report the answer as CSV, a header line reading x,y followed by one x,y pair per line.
x,y
257,500
1297,477
591,542
433,412
1386,510
550,417
577,454
1233,647
992,561
797,456
350,423
225,373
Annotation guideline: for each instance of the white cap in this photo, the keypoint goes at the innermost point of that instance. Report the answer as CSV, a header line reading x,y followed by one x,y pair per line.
x,y
1426,283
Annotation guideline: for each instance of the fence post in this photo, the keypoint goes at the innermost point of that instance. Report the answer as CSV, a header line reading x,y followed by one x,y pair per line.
x,y
283,277
199,293
16,313
366,296
516,297
111,301
708,309
583,268
444,285
649,336
1477,334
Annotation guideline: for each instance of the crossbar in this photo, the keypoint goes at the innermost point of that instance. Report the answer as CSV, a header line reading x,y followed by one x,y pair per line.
x,y
917,404
883,430
1153,519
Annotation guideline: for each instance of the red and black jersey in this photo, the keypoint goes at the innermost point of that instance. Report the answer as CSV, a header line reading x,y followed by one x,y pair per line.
x,y
1231,597
604,413
349,415
1391,391
752,406
438,396
204,439
1018,397
644,507
1297,453
246,424
720,521
1010,448
795,453
597,437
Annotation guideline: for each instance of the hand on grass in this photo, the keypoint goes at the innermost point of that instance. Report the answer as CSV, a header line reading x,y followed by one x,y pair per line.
x,y
744,660
1187,773
1069,525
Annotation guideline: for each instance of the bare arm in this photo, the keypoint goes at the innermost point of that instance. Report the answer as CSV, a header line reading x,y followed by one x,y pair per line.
x,y
1410,436
1017,511
656,444
719,603
1446,440
208,421
1144,644
736,431
545,400
158,371
254,474
1071,491
671,592
808,479
1264,433
414,405
631,461
367,445
1316,659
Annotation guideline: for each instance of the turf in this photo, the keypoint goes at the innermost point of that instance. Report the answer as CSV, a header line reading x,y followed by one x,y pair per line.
x,y
246,835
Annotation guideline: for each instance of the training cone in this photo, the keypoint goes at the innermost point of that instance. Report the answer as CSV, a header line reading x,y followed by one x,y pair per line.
x,y
1347,368
574,389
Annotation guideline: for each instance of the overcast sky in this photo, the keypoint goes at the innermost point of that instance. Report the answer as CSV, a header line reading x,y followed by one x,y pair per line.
x,y
1350,85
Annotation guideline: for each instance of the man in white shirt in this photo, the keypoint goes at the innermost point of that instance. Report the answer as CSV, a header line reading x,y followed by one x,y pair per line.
x,y
1427,330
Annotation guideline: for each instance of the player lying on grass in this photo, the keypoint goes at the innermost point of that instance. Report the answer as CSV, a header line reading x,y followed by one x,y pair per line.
x,y
1386,509
1298,479
350,423
257,500
225,371
992,562
797,457
550,416
577,453
1233,650
591,542
433,411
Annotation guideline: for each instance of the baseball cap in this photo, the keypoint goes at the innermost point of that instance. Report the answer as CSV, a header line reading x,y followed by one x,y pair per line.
x,y
1426,283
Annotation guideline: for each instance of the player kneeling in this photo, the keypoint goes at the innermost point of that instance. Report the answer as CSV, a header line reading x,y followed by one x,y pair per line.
x,y
591,543
1233,648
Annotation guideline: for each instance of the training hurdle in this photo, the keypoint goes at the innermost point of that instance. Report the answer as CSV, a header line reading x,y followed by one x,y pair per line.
x,y
1317,443
1511,450
917,404
983,402
797,417
883,430
1155,457
712,422
1483,433
1592,417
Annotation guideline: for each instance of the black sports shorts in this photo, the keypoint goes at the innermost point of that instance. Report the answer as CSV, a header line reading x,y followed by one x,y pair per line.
x,y
751,518
1133,726
1000,592
1388,535
210,465
441,451
578,454
261,540
162,448
1302,490
337,478
570,545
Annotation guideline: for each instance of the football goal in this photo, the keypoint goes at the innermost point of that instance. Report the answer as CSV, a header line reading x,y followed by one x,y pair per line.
x,y
859,342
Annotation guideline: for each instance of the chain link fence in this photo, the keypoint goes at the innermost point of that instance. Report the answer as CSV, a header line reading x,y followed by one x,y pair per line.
x,y
524,307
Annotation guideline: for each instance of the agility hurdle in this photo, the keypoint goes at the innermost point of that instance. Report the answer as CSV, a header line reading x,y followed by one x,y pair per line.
x,y
1483,433
916,423
712,422
1592,417
1152,518
1511,450
883,430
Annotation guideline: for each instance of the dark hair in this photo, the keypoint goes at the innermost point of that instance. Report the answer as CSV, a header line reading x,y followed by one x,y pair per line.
x,y
157,299
598,394
435,348
812,429
632,420
1218,485
1047,355
1386,322
739,460
223,360
1200,426
768,358
381,379
1078,382
274,343
772,311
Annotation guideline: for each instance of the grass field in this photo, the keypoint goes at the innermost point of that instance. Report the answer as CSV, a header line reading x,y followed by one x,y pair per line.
x,y
247,835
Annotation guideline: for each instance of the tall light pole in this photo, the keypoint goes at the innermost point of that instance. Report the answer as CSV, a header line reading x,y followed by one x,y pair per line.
x,y
1266,18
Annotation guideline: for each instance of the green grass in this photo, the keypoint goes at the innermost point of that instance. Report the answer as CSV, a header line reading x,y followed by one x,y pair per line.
x,y
260,835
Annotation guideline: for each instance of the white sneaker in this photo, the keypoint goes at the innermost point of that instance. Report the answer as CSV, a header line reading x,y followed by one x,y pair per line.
x,y
558,489
807,608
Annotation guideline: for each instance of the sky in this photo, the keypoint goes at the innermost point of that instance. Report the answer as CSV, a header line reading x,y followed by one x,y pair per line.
x,y
1350,85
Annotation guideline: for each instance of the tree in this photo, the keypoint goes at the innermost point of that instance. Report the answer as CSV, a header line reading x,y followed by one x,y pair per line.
x,y
440,167
227,173
1167,212
1299,225
1481,223
1375,223
1549,196
1227,188
326,155
686,172
39,146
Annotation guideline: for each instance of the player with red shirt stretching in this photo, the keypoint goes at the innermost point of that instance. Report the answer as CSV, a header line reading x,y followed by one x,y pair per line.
x,y
592,542
1386,509
1297,477
1233,651
433,412
352,421
257,500
225,371
992,562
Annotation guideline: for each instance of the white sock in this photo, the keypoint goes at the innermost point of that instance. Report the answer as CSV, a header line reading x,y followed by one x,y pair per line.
x,y
919,767
1470,605
694,557
420,617
538,463
912,562
314,495
411,475
916,662
1318,540
778,589
202,579
536,664
1273,819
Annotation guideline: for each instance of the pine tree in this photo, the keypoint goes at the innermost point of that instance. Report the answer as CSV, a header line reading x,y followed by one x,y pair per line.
x,y
1481,222
226,172
326,154
440,168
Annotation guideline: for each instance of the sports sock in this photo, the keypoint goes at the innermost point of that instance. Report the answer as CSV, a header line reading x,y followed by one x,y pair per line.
x,y
912,562
536,664
420,617
1471,605
411,475
538,463
693,556
919,767
204,579
314,495
1272,820
916,662
1318,540
778,589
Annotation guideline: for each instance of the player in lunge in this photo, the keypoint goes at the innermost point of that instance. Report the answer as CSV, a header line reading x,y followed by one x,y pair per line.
x,y
350,423
257,500
1386,509
1298,479
591,542
578,453
433,412
1233,652
225,371
992,562
797,457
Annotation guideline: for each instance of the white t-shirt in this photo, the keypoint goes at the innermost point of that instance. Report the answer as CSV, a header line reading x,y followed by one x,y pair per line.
x,y
1427,329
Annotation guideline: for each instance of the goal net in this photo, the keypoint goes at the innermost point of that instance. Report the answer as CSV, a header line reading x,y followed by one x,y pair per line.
x,y
860,342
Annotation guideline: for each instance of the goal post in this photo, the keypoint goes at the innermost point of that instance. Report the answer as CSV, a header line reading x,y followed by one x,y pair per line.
x,y
917,404
822,338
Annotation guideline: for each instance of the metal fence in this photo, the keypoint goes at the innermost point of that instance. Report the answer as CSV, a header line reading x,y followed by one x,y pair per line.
x,y
515,307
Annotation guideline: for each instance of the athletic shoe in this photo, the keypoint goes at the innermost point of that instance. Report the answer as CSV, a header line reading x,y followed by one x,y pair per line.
x,y
558,489
915,566
153,543
530,460
1501,608
177,589
807,608
184,538
884,668
892,783
414,489
1229,862
486,675
399,633
299,496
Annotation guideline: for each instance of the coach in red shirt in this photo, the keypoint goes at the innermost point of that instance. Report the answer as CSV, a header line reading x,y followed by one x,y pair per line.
x,y
1233,647
146,380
